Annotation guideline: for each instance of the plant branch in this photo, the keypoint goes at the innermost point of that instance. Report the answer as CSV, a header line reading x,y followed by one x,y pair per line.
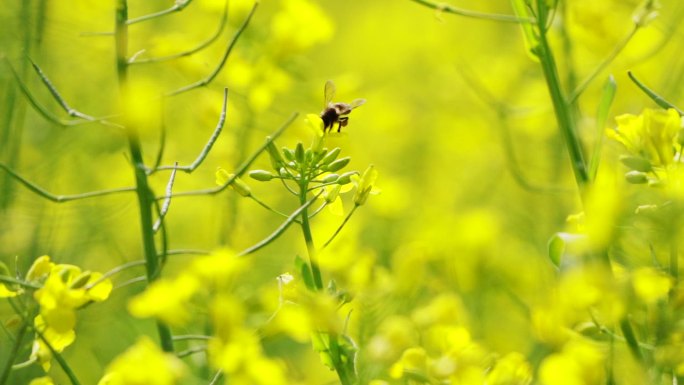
x,y
659,100
177,6
167,202
443,7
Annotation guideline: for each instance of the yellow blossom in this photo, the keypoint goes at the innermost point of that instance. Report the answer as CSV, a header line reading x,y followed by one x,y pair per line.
x,y
42,381
144,364
651,285
58,340
166,299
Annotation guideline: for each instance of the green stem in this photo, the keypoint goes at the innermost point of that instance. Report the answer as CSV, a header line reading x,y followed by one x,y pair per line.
x,y
15,350
443,7
144,194
308,238
631,340
563,114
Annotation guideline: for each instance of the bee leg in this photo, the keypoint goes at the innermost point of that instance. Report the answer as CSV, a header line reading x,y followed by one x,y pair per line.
x,y
342,122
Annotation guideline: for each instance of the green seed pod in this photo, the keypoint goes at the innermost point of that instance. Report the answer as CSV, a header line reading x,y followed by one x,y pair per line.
x,y
636,163
330,156
241,187
299,153
346,177
261,175
289,154
80,281
636,177
338,164
276,158
330,178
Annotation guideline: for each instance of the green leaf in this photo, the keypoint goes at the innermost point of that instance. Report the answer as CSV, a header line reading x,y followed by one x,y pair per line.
x,y
305,271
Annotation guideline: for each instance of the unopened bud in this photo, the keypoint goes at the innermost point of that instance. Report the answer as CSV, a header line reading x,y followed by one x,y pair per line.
x,y
636,177
346,177
299,153
289,154
331,178
330,156
261,175
636,163
273,153
338,164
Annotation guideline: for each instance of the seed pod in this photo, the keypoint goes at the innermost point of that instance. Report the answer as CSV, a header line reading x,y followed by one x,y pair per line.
x,y
330,156
331,178
636,163
261,175
241,187
636,177
299,153
338,164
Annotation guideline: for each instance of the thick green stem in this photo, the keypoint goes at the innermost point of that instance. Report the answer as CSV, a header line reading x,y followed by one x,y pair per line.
x,y
143,192
564,116
308,238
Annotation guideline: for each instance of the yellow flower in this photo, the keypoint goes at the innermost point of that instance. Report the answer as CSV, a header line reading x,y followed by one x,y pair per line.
x,y
300,25
512,369
651,285
144,364
365,185
58,340
579,363
166,299
651,135
220,268
413,360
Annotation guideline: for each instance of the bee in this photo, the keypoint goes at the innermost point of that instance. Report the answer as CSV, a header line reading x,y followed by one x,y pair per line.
x,y
336,112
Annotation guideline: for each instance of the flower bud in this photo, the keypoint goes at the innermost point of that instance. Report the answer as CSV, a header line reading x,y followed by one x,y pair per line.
x,y
331,178
319,155
330,156
299,153
346,177
365,185
636,177
261,175
333,193
273,153
241,187
338,164
636,163
289,154
308,156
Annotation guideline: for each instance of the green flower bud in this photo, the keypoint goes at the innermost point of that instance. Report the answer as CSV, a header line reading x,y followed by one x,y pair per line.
x,y
330,156
338,164
241,187
275,156
330,178
346,177
289,154
636,163
636,177
308,156
80,281
299,153
319,155
261,175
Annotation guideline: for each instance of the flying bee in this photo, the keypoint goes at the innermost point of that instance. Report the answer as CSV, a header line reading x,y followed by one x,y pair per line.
x,y
336,112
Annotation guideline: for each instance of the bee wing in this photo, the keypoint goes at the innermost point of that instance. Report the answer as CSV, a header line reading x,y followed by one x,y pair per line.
x,y
329,92
356,103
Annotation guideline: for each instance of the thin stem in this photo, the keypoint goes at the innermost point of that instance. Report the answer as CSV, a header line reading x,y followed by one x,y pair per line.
x,y
199,47
442,7
563,114
114,271
143,192
14,281
188,252
60,360
606,62
191,351
61,198
281,229
659,100
216,378
167,202
15,350
210,143
269,208
218,68
191,337
176,7
241,169
631,340
344,222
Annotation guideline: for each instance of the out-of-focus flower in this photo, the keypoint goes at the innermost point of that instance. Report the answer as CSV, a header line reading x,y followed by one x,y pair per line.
x,y
42,381
365,185
651,285
144,364
580,362
651,135
512,369
166,299
299,26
